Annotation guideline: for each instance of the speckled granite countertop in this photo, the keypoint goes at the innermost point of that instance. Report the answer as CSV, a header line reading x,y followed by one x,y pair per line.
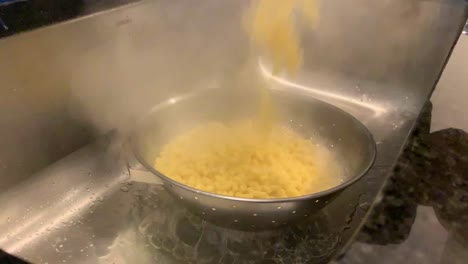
x,y
432,173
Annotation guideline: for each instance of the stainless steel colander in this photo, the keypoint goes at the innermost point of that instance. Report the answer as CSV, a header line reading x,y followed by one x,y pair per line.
x,y
308,116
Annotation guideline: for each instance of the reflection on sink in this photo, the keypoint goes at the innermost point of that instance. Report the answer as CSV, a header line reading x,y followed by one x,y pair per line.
x,y
348,103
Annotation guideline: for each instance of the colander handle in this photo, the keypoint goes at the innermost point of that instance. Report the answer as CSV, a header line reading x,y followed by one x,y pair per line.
x,y
143,176
137,172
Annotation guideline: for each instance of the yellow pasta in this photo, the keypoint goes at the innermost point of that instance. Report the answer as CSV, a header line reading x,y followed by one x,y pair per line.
x,y
271,26
256,158
230,159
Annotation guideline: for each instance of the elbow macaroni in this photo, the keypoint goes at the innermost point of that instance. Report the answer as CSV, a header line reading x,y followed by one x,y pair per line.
x,y
230,159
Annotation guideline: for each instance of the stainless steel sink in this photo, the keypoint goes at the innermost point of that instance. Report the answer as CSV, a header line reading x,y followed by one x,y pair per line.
x,y
63,87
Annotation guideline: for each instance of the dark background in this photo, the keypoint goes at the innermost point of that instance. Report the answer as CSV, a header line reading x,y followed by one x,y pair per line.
x,y
26,15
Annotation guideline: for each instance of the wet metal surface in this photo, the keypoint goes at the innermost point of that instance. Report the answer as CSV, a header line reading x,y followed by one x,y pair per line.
x,y
83,209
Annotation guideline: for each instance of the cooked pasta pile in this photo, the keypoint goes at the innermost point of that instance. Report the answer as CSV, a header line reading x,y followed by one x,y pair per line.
x,y
256,158
230,159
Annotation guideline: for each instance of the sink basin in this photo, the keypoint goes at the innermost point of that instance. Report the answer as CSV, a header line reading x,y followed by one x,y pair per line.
x,y
66,86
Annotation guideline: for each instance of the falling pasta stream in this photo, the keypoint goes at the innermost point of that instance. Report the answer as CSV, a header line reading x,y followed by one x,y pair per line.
x,y
272,28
